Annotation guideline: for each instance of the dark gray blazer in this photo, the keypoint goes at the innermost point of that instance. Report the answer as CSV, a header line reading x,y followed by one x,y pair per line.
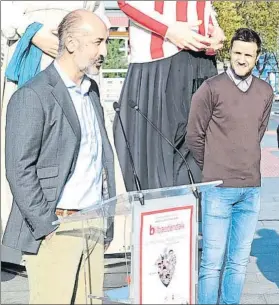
x,y
42,143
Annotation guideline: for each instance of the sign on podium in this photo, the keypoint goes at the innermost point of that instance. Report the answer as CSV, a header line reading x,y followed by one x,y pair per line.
x,y
163,245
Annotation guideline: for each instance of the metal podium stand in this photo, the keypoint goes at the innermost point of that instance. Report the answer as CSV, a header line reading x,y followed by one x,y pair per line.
x,y
163,239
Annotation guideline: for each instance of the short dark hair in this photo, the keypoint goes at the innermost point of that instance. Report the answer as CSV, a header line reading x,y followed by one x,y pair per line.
x,y
247,35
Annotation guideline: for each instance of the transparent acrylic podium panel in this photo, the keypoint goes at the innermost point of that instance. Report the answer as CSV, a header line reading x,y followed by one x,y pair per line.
x,y
160,265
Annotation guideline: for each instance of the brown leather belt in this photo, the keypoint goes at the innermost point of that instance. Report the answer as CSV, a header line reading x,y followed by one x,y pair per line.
x,y
63,213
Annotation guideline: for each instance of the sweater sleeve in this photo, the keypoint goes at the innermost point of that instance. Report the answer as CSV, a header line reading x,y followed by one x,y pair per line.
x,y
199,118
265,117
144,14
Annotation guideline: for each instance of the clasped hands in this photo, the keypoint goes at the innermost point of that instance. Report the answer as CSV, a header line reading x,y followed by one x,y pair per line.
x,y
182,34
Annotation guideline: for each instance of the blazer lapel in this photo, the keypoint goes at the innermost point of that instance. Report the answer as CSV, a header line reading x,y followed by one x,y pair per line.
x,y
63,98
98,111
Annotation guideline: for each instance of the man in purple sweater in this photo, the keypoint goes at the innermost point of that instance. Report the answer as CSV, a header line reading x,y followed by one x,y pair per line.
x,y
228,117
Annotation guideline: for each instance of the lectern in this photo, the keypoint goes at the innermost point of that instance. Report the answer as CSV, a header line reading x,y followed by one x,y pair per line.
x,y
163,237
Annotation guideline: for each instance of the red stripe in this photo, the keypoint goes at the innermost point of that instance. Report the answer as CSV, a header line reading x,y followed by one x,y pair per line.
x,y
200,12
159,6
181,10
156,46
143,19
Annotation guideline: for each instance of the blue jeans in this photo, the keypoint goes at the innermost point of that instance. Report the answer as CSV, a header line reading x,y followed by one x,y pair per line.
x,y
229,219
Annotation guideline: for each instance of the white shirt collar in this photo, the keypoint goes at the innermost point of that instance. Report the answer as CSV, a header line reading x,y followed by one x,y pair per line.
x,y
85,84
242,84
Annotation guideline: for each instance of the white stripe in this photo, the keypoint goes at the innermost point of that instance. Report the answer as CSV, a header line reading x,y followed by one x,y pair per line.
x,y
207,13
140,41
192,14
148,8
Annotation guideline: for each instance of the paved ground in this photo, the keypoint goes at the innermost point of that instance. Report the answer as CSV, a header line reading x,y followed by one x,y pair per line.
x,y
262,281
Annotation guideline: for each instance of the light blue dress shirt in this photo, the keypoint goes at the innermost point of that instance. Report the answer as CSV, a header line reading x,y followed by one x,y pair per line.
x,y
84,188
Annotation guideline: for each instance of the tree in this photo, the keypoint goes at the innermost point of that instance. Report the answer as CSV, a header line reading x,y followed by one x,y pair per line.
x,y
261,16
229,20
116,58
